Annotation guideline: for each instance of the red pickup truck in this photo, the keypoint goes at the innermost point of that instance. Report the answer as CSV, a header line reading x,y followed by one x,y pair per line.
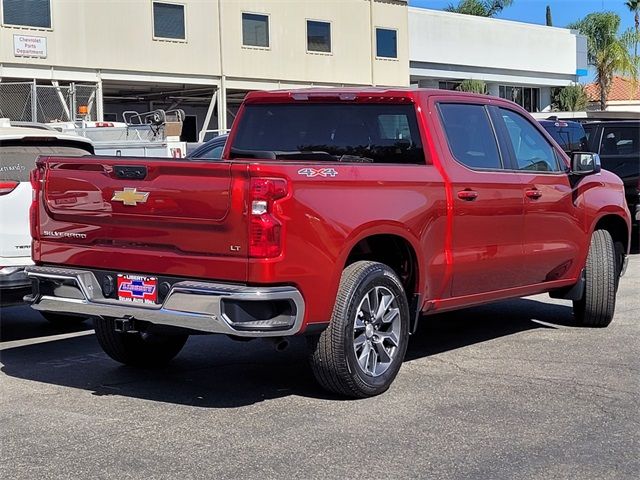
x,y
340,214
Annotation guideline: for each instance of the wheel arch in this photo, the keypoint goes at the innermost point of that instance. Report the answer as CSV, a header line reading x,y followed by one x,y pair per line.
x,y
620,232
617,226
391,246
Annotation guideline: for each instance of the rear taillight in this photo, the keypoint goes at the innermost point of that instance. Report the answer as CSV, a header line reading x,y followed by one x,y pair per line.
x,y
35,178
265,229
7,186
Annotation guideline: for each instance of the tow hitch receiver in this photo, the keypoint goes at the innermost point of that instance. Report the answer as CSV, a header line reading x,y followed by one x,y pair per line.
x,y
125,325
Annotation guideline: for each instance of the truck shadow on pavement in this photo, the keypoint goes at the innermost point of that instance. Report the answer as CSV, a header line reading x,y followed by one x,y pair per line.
x,y
216,372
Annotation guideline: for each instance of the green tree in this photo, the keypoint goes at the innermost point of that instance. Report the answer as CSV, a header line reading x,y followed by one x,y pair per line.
x,y
549,19
473,86
634,7
571,98
479,8
608,52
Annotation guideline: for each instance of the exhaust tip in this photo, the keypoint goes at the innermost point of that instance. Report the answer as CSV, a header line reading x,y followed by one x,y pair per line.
x,y
280,344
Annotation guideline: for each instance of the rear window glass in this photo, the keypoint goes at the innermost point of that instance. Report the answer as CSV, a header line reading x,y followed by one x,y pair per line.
x,y
470,135
17,160
366,133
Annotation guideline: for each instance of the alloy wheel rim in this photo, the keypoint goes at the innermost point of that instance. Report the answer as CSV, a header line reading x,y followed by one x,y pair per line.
x,y
376,331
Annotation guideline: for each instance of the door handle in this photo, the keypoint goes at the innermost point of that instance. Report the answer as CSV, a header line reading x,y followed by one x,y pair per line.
x,y
468,195
533,193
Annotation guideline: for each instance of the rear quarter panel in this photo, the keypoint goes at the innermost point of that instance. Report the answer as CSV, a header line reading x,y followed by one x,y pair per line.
x,y
326,217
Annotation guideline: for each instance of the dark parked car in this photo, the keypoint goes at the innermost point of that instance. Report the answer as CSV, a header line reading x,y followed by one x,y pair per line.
x,y
569,135
211,150
618,143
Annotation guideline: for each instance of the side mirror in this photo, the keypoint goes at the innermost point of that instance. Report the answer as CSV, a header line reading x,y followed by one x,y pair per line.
x,y
585,163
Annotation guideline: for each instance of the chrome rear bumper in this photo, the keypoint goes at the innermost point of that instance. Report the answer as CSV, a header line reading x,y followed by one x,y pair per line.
x,y
200,306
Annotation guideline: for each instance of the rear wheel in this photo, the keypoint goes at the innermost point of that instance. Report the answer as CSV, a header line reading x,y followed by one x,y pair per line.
x,y
139,349
61,319
360,353
597,305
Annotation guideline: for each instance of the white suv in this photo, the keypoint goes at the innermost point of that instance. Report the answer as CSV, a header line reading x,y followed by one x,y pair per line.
x,y
19,149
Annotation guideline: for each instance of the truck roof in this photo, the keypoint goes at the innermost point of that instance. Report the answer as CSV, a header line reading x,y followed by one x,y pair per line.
x,y
351,93
612,122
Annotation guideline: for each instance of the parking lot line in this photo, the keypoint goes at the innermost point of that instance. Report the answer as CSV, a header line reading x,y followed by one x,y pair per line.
x,y
49,338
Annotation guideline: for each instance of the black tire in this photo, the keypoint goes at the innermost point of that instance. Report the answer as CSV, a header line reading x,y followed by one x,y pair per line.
x,y
62,319
598,302
137,349
333,354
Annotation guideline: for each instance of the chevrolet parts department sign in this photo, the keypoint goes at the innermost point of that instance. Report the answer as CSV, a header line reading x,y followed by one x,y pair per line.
x,y
29,46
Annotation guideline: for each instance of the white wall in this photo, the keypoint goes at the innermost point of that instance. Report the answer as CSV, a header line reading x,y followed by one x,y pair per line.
x,y
469,41
352,59
623,106
117,36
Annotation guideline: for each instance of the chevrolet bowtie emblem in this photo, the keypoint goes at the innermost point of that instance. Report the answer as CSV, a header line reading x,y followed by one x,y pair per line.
x,y
130,196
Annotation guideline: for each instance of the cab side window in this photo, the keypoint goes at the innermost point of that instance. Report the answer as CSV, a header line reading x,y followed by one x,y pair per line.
x,y
620,141
530,149
470,135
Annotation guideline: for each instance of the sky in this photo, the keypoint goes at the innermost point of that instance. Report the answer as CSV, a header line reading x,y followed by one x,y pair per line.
x,y
563,12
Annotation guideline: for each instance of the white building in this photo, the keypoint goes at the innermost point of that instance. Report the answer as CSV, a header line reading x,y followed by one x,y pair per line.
x,y
518,61
108,56
146,54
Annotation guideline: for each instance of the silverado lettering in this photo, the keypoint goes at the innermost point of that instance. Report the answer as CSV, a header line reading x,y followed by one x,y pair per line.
x,y
443,200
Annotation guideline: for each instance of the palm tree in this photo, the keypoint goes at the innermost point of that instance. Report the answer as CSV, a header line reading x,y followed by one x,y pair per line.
x,y
607,51
479,8
634,7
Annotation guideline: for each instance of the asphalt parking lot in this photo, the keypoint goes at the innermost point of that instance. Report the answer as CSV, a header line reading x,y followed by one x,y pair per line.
x,y
504,391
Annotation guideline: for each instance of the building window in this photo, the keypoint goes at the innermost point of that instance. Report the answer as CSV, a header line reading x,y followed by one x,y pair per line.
x,y
255,30
527,97
168,21
27,13
318,36
386,43
449,85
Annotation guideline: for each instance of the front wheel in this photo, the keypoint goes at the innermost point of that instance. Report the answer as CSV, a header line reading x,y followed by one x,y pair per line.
x,y
138,349
360,353
598,302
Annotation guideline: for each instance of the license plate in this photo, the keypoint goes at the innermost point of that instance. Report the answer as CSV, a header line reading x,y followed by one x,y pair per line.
x,y
137,288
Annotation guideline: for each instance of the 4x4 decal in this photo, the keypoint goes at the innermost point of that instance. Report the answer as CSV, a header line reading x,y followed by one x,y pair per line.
x,y
318,172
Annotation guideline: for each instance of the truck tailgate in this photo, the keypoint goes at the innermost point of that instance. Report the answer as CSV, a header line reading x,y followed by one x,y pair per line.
x,y
189,211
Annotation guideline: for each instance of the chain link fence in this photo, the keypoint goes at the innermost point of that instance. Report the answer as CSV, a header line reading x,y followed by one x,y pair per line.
x,y
53,104
85,95
30,102
15,101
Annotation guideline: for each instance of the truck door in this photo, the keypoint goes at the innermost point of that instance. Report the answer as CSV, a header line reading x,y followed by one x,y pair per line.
x,y
488,205
552,223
